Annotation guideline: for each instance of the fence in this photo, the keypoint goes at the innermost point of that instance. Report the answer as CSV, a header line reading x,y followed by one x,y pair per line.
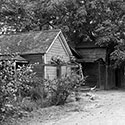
x,y
57,70
52,71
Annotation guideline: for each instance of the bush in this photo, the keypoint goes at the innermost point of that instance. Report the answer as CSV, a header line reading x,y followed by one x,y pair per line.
x,y
22,90
14,86
60,89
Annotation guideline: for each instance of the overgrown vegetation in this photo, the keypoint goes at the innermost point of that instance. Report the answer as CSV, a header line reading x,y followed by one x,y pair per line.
x,y
98,21
21,91
15,84
60,89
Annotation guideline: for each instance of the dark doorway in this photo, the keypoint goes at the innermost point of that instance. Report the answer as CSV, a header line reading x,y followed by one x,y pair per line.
x,y
91,72
118,77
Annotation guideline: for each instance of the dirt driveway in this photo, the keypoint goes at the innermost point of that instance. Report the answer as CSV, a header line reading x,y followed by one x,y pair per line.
x,y
104,108
108,108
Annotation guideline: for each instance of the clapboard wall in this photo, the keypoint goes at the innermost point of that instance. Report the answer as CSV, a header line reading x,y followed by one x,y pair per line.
x,y
57,49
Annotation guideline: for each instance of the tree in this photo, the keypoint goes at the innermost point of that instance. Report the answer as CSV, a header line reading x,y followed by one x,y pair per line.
x,y
102,22
111,31
70,17
21,16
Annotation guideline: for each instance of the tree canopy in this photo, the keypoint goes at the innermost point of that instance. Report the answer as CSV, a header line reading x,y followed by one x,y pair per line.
x,y
101,21
23,15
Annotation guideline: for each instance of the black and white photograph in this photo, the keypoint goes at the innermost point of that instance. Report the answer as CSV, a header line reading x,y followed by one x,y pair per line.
x,y
62,62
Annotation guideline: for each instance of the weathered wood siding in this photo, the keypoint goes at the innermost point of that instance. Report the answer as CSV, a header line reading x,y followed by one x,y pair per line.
x,y
111,78
122,73
102,76
56,49
98,78
33,59
93,69
92,54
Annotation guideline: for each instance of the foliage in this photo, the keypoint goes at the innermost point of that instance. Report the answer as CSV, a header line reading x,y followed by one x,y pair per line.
x,y
21,90
14,86
23,15
111,31
60,89
100,21
57,60
119,57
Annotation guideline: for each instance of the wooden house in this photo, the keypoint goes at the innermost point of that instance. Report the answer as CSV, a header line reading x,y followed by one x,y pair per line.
x,y
37,47
99,72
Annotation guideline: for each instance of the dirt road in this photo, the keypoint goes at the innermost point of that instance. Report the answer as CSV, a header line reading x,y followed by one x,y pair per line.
x,y
108,108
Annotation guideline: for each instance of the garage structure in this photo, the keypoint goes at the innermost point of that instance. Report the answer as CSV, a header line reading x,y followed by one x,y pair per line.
x,y
98,68
37,47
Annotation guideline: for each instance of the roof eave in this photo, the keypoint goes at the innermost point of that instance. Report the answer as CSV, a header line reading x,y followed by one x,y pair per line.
x,y
38,53
66,44
92,47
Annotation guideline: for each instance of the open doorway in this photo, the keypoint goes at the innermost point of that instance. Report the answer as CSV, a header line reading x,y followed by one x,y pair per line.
x,y
91,72
119,77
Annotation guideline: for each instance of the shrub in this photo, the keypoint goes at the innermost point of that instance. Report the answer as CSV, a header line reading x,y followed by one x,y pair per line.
x,y
22,90
60,89
14,86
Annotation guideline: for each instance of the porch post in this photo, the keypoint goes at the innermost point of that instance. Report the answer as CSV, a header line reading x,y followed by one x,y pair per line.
x,y
15,72
58,71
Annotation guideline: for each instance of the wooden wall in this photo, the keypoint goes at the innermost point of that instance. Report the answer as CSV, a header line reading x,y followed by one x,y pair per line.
x,y
111,78
56,49
102,76
92,54
120,75
96,75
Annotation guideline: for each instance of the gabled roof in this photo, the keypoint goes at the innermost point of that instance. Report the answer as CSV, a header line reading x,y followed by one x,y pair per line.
x,y
28,43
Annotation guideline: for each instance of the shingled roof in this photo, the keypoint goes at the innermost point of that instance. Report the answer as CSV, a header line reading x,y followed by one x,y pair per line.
x,y
31,42
18,58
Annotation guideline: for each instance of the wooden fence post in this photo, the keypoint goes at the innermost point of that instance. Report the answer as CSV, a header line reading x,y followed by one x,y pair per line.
x,y
99,74
41,87
58,71
107,73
